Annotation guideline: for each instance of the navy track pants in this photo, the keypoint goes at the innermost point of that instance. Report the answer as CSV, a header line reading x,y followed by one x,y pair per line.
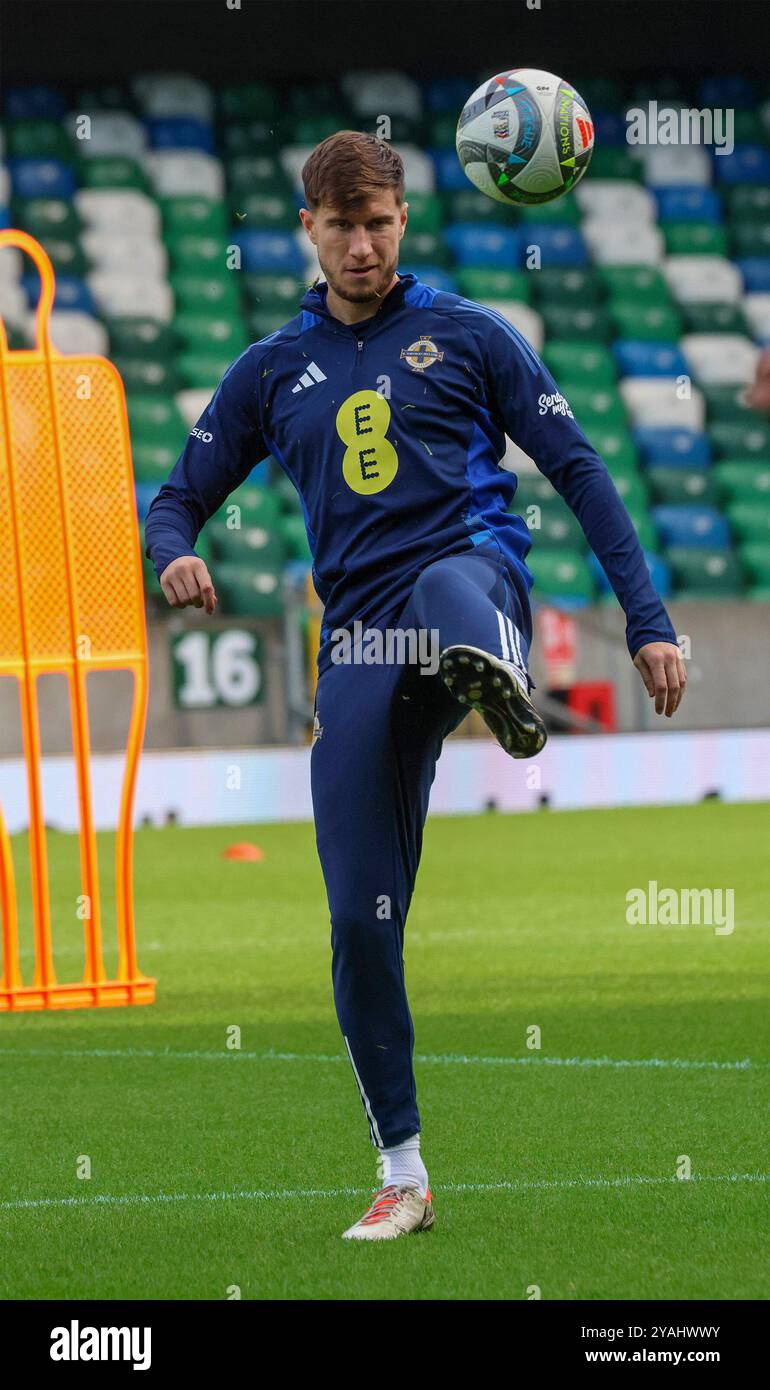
x,y
380,728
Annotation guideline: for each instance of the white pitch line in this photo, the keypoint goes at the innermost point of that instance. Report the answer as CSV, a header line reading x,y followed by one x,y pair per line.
x,y
292,1194
422,1059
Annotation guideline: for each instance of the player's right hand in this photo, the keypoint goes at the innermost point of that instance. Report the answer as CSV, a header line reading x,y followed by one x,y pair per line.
x,y
187,583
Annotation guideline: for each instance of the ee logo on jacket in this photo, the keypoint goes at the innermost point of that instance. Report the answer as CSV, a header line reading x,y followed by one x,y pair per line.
x,y
370,462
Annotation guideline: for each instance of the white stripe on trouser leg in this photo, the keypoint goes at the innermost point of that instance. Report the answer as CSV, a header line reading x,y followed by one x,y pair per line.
x,y
367,1107
515,643
503,638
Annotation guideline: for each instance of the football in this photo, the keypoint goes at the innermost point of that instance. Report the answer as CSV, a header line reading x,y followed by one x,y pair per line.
x,y
525,136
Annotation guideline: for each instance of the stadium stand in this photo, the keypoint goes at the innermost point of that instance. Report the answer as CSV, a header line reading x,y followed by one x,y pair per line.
x,y
650,305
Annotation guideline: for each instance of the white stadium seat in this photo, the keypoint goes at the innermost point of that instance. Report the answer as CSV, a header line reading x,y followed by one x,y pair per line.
x,y
108,249
75,332
528,322
720,358
702,279
616,199
626,242
382,93
120,295
13,301
121,209
671,165
654,401
111,132
419,169
177,173
191,404
173,94
756,307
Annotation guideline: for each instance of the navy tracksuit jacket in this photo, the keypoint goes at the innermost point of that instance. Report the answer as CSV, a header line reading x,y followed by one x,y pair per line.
x,y
392,432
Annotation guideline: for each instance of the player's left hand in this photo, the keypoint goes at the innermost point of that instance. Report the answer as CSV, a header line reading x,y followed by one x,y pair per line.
x,y
661,667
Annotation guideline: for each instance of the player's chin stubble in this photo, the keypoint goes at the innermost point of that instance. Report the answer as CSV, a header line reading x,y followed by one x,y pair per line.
x,y
363,296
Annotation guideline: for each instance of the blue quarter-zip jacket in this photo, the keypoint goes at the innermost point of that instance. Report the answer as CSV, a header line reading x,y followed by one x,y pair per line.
x,y
392,433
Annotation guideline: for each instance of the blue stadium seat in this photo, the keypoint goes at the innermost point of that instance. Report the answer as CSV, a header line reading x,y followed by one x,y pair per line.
x,y
642,358
609,129
450,175
145,494
746,164
727,90
692,526
559,245
484,244
270,252
180,133
433,275
71,293
687,203
660,573
41,178
756,274
672,447
448,93
35,103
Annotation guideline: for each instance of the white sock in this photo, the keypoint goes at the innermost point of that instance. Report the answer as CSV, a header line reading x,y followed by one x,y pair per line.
x,y
402,1165
518,674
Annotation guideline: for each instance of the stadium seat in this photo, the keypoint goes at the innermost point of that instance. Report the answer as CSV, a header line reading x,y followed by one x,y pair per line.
x,y
482,284
740,480
672,447
245,591
702,279
648,358
698,572
561,576
720,358
691,526
677,486
656,402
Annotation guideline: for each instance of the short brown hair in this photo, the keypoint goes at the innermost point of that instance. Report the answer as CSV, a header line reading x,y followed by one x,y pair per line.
x,y
348,168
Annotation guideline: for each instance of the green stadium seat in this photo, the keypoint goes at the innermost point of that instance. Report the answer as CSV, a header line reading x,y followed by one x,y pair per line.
x,y
742,480
428,248
153,462
245,544
191,252
748,201
701,573
147,374
634,282
750,239
644,527
590,322
245,591
533,490
424,213
468,205
266,210
244,102
114,171
560,575
563,211
295,538
217,292
694,238
247,174
67,257
129,337
681,486
579,362
156,419
655,322
312,129
597,406
481,284
615,447
261,324
559,529
748,438
725,403
203,371
38,139
199,216
42,217
271,294
714,318
633,490
282,489
566,285
609,163
750,521
259,506
439,130
219,334
248,138
755,558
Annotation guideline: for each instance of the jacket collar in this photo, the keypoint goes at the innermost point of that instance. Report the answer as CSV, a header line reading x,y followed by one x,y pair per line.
x,y
315,300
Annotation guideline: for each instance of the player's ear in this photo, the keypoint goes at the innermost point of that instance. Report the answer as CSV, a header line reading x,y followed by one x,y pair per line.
x,y
306,218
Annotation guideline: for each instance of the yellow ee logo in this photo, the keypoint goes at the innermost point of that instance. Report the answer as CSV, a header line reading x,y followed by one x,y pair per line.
x,y
370,462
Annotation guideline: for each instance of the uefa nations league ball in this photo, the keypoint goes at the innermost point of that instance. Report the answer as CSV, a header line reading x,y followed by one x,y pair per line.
x,y
525,136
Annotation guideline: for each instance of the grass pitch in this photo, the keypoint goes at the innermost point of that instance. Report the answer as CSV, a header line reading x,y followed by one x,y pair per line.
x,y
214,1170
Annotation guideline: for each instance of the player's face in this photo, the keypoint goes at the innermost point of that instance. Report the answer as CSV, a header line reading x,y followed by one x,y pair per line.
x,y
358,250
